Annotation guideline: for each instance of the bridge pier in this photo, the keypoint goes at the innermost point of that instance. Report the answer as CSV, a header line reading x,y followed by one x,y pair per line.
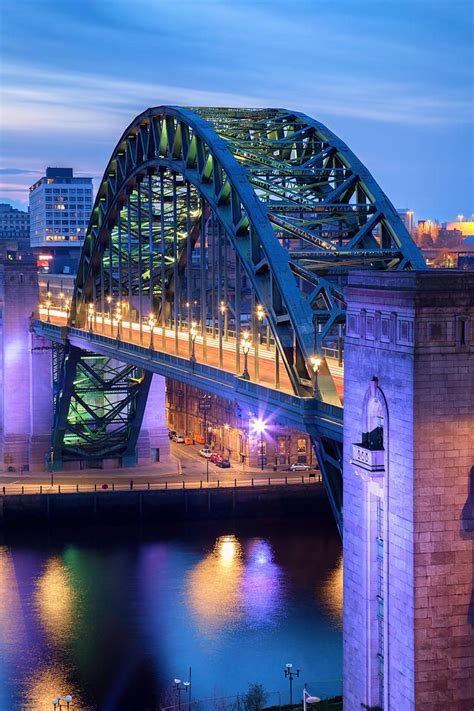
x,y
153,441
408,491
25,373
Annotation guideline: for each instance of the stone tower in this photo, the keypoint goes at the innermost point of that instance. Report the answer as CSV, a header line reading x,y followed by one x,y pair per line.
x,y
409,491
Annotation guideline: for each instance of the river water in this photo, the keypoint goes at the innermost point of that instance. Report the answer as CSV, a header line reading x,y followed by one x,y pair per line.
x,y
113,615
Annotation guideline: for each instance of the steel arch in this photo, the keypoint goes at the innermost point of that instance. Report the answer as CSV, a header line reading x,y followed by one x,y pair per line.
x,y
223,152
297,207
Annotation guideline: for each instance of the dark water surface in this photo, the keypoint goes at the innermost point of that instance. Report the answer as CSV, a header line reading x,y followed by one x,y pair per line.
x,y
113,615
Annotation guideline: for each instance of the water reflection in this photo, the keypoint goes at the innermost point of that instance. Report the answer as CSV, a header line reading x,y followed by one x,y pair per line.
x,y
46,683
113,619
213,586
55,600
331,593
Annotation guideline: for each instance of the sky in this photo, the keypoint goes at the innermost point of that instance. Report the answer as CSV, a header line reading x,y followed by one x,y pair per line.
x,y
393,78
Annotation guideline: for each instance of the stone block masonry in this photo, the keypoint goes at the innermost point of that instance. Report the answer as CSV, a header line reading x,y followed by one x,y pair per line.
x,y
409,530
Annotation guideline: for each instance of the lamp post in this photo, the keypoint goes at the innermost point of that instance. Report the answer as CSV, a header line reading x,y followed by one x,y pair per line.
x,y
315,363
290,675
180,686
118,319
48,312
245,345
259,428
91,316
108,299
57,701
151,325
61,296
193,335
224,312
260,313
67,305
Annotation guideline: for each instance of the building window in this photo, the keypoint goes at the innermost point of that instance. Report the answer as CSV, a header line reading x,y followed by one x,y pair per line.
x,y
301,449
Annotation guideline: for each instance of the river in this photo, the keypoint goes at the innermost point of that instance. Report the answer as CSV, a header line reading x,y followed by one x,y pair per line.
x,y
113,615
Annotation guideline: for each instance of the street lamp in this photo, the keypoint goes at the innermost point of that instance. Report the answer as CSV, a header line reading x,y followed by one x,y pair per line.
x,y
259,427
260,313
108,299
223,310
151,324
61,296
245,345
315,363
57,701
118,319
290,674
48,307
91,316
180,686
193,335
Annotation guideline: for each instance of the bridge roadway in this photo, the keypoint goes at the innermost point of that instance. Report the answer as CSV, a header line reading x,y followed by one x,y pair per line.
x,y
213,371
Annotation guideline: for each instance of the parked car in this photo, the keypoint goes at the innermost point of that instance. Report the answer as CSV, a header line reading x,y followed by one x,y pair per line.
x,y
299,467
223,463
215,456
179,439
205,452
172,434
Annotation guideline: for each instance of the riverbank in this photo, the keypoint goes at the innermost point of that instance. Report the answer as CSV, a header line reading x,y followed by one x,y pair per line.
x,y
151,506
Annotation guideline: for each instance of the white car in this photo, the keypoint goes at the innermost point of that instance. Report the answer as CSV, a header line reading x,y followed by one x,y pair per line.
x,y
299,467
179,439
205,452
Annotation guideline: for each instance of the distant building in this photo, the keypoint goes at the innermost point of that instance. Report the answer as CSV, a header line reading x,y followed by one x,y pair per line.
x,y
14,233
14,223
406,217
60,206
466,227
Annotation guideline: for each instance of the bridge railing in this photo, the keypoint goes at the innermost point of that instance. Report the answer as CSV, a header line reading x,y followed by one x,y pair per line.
x,y
133,485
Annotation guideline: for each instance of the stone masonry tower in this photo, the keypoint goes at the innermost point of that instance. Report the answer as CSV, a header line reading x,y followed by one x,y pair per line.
x,y
25,374
409,492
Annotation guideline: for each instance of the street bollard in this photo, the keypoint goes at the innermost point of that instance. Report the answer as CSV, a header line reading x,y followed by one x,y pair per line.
x,y
148,486
59,488
184,483
302,479
77,488
4,491
41,488
268,481
235,482
166,484
200,484
22,489
252,481
113,486
286,480
131,483
218,483
95,487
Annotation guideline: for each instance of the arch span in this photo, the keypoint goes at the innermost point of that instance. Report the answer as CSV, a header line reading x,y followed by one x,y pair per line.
x,y
212,226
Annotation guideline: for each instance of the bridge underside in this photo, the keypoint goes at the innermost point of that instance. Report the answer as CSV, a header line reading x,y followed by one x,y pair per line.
x,y
218,251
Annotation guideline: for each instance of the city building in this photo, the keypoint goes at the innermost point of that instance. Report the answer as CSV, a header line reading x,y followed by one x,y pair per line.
x,y
466,227
14,233
233,431
406,217
60,206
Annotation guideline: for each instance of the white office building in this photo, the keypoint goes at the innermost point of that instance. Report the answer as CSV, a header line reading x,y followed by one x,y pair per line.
x,y
60,207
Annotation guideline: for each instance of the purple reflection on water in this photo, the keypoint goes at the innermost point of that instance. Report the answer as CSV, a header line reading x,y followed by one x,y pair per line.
x,y
261,584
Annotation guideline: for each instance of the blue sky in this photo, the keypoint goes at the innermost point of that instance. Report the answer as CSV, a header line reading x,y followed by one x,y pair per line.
x,y
393,78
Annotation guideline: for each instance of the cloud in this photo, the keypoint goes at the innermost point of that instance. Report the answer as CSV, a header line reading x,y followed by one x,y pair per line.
x,y
16,171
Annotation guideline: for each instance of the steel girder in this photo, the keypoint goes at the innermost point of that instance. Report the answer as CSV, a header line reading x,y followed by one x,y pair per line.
x,y
98,406
296,206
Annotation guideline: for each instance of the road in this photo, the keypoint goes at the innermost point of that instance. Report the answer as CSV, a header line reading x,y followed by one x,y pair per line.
x,y
184,465
209,353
